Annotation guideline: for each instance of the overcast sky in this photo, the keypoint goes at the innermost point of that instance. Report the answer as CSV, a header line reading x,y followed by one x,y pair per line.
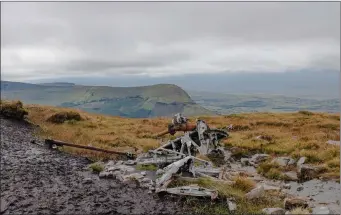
x,y
56,39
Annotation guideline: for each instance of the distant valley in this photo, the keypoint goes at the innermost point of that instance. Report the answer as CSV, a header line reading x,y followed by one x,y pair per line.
x,y
244,103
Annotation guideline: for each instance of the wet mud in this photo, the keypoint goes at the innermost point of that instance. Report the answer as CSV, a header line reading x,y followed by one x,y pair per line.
x,y
37,180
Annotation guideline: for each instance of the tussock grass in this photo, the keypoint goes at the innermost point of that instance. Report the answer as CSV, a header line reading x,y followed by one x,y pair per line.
x,y
244,184
288,134
96,167
61,117
299,211
13,109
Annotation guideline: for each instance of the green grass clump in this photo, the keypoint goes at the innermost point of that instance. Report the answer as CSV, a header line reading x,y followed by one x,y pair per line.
x,y
271,170
13,110
96,167
148,167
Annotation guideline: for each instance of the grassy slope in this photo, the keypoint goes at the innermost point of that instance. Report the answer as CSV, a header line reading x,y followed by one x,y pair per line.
x,y
124,101
294,134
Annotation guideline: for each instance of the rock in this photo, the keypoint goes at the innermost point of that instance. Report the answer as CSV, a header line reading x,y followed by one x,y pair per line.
x,y
231,205
4,205
160,172
300,188
264,137
283,161
255,193
291,175
278,211
295,202
301,161
104,174
270,187
307,172
130,162
258,158
321,210
144,173
113,168
287,186
119,162
333,142
245,161
110,164
87,181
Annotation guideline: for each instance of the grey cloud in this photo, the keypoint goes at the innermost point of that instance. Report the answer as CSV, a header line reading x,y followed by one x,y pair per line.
x,y
168,37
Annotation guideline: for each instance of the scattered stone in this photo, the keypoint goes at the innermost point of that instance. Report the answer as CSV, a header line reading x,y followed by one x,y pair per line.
x,y
300,188
144,173
113,168
130,162
295,202
258,158
283,161
245,161
87,181
255,193
301,161
104,174
321,210
291,175
333,142
232,206
279,211
287,186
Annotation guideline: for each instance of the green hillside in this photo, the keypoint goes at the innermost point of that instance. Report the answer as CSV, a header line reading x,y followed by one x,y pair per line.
x,y
146,101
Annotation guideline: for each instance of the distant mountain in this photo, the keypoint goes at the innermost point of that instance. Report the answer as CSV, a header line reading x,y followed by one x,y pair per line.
x,y
145,101
303,84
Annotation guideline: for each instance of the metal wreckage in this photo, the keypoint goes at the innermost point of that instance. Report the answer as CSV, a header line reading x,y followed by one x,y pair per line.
x,y
178,156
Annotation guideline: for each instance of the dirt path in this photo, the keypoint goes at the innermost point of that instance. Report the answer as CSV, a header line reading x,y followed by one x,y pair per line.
x,y
36,180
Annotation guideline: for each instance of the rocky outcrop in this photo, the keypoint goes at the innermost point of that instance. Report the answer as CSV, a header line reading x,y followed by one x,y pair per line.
x,y
255,193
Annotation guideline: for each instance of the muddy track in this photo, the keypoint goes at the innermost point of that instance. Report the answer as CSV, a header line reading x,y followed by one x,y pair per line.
x,y
36,180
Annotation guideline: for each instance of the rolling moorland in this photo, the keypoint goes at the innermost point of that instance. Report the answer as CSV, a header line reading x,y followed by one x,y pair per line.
x,y
298,134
